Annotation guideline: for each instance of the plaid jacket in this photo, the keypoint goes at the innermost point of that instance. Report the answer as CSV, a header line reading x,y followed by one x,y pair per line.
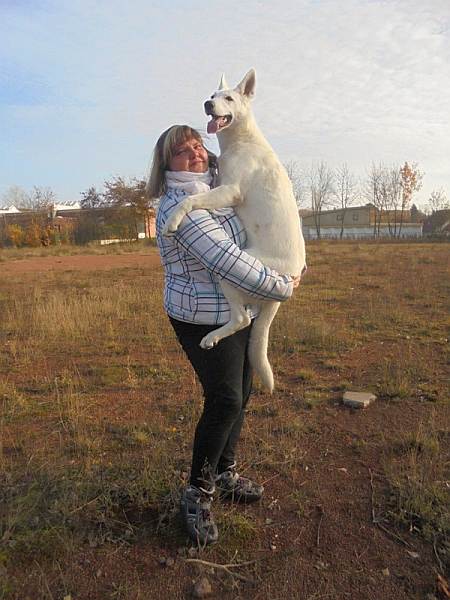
x,y
205,249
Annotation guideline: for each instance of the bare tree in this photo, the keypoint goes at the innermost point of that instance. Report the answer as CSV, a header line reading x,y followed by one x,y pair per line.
x,y
411,181
320,179
91,198
390,190
39,197
294,173
15,196
396,189
373,193
438,200
42,197
392,197
345,191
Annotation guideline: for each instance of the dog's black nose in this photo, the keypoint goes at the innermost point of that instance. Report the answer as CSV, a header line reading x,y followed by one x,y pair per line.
x,y
209,106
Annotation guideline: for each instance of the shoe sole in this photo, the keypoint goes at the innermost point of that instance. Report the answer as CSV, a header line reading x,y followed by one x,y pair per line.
x,y
193,533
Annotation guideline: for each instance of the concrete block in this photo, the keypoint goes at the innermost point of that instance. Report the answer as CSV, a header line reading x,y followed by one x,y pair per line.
x,y
358,399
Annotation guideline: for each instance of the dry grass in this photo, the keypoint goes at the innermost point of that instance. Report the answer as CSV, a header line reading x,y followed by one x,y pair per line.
x,y
417,468
69,250
99,405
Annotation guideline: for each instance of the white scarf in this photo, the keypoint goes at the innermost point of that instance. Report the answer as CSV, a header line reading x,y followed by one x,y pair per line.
x,y
191,183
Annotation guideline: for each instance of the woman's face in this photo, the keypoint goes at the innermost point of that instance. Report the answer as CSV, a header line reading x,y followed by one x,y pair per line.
x,y
189,156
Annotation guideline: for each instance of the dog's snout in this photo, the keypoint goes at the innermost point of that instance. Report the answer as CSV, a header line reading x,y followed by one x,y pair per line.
x,y
209,107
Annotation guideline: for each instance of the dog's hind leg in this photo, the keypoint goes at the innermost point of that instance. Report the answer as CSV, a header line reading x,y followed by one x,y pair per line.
x,y
238,318
259,341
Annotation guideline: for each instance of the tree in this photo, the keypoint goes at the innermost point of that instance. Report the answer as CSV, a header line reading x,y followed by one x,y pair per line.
x,y
132,195
34,234
345,191
15,235
417,215
373,192
411,181
42,197
294,173
438,200
15,196
392,196
39,197
91,198
320,179
390,190
121,193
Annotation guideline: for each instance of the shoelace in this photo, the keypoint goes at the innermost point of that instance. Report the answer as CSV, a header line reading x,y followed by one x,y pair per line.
x,y
206,514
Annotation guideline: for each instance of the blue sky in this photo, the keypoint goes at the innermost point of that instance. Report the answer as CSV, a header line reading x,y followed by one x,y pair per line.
x,y
86,87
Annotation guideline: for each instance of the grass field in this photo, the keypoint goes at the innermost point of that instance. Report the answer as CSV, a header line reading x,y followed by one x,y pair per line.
x,y
99,407
8,254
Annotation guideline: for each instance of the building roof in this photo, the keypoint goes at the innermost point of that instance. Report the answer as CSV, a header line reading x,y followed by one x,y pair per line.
x,y
337,210
67,205
9,209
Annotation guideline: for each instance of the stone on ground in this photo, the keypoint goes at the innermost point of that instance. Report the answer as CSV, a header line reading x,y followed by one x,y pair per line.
x,y
202,588
358,399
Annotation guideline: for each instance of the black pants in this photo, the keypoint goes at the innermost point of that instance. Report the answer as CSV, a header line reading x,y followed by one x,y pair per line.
x,y
226,378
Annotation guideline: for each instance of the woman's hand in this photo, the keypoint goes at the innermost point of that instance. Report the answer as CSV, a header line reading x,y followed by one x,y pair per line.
x,y
296,280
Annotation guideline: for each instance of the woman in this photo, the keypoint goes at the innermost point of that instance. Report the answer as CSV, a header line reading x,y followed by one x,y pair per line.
x,y
205,249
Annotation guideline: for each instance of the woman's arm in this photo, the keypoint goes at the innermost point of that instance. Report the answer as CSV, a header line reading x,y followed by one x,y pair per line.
x,y
204,238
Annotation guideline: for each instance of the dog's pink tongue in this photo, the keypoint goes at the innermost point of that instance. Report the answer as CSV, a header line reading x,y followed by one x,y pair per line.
x,y
213,126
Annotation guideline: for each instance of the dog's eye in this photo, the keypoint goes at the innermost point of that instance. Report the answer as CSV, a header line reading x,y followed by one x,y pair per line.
x,y
229,98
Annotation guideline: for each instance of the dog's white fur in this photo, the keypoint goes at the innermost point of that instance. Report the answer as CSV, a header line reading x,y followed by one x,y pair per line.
x,y
253,180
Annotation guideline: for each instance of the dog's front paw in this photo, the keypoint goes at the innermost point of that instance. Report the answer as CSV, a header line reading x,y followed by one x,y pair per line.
x,y
209,341
173,222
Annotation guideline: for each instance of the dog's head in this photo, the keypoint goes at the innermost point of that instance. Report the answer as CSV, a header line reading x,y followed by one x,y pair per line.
x,y
229,106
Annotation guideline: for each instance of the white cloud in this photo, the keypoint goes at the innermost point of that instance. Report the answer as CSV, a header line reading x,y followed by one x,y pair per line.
x,y
356,81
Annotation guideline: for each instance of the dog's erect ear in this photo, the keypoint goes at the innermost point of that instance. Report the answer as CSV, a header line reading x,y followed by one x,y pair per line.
x,y
223,85
248,84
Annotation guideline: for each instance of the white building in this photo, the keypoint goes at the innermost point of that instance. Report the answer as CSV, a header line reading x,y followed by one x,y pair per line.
x,y
360,222
9,210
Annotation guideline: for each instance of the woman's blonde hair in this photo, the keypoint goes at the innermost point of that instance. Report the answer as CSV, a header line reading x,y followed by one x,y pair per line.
x,y
163,153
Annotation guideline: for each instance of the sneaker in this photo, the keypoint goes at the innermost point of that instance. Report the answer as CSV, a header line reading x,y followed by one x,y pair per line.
x,y
236,488
195,508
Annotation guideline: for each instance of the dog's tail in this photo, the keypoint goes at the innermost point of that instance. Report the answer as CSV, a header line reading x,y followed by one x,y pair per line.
x,y
259,341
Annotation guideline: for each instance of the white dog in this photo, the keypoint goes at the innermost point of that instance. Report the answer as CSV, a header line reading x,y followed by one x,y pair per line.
x,y
253,180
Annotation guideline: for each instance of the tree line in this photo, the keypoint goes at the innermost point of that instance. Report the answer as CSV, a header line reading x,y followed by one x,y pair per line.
x,y
126,197
390,189
117,192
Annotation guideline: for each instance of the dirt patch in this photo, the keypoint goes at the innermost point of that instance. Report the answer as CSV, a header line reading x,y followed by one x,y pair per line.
x,y
87,262
99,410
